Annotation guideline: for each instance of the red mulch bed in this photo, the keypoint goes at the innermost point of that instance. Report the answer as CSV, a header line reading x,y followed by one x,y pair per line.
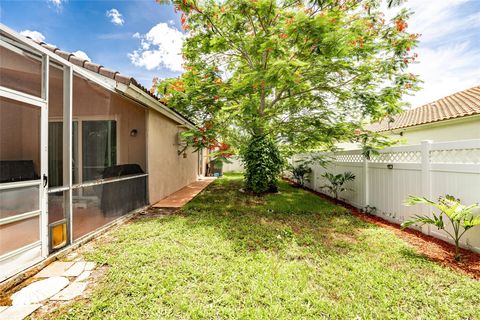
x,y
435,249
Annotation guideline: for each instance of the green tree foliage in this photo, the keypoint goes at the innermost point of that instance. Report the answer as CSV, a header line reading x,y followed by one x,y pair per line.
x,y
460,216
306,74
262,163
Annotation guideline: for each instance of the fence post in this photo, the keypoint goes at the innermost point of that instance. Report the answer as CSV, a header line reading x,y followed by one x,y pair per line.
x,y
426,176
366,193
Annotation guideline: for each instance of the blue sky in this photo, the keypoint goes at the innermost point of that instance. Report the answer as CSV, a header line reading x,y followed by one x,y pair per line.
x,y
84,25
143,39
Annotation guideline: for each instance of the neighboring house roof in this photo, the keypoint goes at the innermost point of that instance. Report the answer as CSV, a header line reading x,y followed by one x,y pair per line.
x,y
460,104
97,68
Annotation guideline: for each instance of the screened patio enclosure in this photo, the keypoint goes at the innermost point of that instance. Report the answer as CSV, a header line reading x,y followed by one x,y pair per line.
x,y
72,153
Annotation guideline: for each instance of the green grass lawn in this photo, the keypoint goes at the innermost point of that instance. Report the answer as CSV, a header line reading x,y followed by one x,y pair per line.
x,y
291,255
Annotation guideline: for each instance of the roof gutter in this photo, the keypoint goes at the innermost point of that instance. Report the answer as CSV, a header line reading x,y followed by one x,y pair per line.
x,y
141,96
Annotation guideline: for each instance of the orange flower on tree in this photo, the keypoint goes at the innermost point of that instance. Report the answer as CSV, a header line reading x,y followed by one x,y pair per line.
x,y
401,25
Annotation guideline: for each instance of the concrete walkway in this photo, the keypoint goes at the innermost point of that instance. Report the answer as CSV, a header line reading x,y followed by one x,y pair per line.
x,y
179,198
59,281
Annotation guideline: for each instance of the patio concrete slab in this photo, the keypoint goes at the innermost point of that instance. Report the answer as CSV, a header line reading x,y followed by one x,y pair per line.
x,y
39,291
90,266
18,312
75,270
74,290
55,269
84,276
179,198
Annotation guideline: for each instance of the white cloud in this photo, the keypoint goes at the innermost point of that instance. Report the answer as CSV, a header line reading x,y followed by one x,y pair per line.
x,y
159,47
57,3
115,17
35,35
445,70
448,51
82,55
436,20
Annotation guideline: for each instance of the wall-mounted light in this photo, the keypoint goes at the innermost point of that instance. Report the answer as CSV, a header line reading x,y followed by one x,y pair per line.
x,y
133,133
390,166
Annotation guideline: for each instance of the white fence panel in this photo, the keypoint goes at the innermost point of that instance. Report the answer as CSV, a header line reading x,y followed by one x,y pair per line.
x,y
388,189
234,165
430,169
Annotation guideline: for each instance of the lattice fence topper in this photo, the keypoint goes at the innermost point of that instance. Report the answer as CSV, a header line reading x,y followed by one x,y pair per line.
x,y
398,157
349,158
462,156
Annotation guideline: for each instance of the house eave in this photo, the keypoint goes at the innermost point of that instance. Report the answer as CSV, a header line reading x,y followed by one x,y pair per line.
x,y
142,97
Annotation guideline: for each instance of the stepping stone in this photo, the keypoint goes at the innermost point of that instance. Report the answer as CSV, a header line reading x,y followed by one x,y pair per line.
x,y
72,291
72,256
90,266
18,312
75,270
84,276
39,291
55,269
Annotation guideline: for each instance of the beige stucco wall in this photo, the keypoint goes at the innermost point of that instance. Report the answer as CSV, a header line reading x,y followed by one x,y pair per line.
x,y
450,130
168,171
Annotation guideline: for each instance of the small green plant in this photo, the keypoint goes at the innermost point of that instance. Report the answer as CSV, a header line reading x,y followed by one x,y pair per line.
x,y
369,210
459,215
337,182
300,173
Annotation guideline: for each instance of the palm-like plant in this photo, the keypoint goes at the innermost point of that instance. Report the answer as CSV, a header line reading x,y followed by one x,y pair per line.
x,y
337,182
460,216
300,173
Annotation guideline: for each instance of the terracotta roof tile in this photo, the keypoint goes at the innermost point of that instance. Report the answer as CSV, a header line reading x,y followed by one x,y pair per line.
x,y
123,78
78,61
92,66
460,104
49,46
64,54
107,72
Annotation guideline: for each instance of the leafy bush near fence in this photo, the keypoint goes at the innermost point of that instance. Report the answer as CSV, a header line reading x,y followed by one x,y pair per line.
x,y
337,182
459,215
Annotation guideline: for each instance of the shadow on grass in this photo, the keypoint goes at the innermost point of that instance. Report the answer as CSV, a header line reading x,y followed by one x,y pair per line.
x,y
275,221
412,255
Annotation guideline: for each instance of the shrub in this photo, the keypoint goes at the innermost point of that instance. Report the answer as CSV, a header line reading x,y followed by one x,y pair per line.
x,y
369,210
337,182
300,173
459,215
263,163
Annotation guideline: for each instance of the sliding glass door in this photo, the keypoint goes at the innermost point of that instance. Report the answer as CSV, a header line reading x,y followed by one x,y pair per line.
x,y
23,157
99,148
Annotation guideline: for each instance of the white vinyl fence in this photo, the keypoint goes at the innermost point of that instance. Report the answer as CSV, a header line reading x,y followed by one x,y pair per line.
x,y
430,170
234,165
